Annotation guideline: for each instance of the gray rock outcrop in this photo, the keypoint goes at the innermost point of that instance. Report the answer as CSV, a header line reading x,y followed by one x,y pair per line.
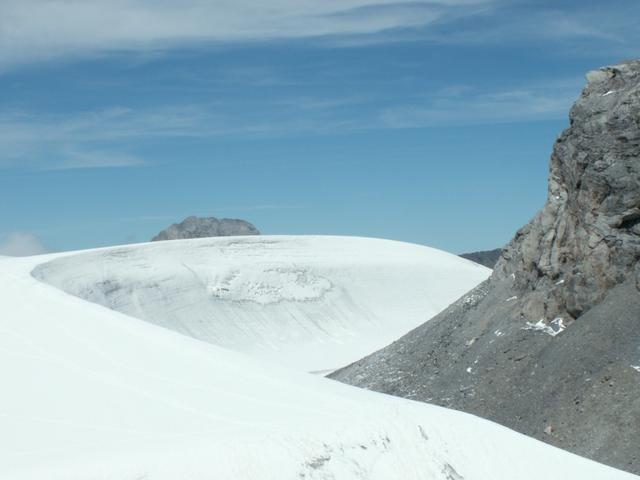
x,y
550,344
202,227
488,258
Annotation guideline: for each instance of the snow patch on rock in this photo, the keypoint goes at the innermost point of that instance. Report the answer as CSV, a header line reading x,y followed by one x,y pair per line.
x,y
553,328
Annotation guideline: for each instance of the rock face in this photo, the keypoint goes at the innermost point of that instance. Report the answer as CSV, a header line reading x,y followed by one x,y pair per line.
x,y
202,227
488,258
550,344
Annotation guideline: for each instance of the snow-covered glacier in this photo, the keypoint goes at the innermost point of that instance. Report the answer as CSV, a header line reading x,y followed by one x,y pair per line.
x,y
314,302
91,393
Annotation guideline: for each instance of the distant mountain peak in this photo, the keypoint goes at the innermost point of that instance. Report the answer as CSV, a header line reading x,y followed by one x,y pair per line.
x,y
203,227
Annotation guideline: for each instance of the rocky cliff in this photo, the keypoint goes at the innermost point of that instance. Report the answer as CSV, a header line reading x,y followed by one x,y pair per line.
x,y
198,227
550,344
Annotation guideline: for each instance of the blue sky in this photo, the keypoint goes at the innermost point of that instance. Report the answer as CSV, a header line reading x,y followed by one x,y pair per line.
x,y
429,122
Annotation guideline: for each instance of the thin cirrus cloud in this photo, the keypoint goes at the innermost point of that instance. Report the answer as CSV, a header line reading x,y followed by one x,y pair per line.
x,y
58,142
78,159
36,30
465,105
45,30
610,29
96,139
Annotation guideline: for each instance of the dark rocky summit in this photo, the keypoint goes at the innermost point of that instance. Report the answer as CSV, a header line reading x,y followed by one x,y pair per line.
x,y
199,227
488,258
550,344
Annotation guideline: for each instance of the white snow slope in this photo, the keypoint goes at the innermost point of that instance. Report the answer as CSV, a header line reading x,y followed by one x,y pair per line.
x,y
317,303
89,393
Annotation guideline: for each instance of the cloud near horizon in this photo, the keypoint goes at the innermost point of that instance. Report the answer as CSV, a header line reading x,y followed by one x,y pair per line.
x,y
20,244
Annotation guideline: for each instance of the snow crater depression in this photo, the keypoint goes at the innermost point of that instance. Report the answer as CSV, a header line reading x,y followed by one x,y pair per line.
x,y
317,303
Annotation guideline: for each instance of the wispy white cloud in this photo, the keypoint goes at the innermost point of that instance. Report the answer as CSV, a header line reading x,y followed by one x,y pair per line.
x,y
78,159
35,30
69,141
570,29
612,30
20,244
465,105
105,138
321,103
259,207
44,30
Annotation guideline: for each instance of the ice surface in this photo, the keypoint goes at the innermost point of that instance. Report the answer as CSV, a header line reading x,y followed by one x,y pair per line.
x,y
90,393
